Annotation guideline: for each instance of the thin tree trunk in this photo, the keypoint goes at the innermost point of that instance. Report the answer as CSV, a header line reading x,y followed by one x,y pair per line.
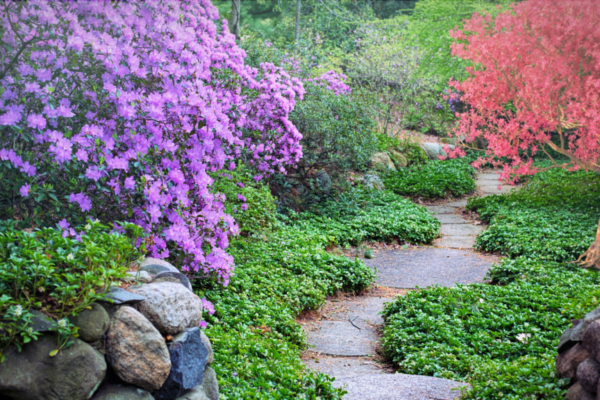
x,y
234,19
298,6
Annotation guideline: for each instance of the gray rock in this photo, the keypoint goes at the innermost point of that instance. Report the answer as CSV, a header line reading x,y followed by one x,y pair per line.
x,y
122,392
149,264
175,277
567,362
579,330
40,322
588,374
382,162
208,345
565,342
122,296
92,323
195,394
324,181
170,306
433,150
372,181
136,350
74,374
577,392
398,158
189,357
139,276
210,385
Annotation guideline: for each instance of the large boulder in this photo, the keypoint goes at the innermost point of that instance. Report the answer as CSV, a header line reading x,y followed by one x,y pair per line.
x,y
136,350
577,392
371,181
169,306
382,162
189,357
73,374
323,181
154,265
175,277
581,327
434,150
92,323
588,374
398,158
122,392
567,362
210,385
591,339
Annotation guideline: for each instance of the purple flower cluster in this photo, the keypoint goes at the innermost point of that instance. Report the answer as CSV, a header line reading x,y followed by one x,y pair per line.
x,y
146,97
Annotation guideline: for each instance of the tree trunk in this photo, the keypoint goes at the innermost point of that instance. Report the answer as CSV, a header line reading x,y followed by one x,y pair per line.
x,y
234,19
591,258
298,6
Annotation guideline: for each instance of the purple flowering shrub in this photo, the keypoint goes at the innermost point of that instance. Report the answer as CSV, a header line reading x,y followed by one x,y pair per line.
x,y
121,111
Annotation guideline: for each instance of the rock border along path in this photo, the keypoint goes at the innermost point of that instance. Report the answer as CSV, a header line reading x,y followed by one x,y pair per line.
x,y
344,338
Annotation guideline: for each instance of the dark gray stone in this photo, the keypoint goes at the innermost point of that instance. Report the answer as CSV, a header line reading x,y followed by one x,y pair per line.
x,y
565,342
579,330
149,263
40,322
210,385
155,269
428,267
588,374
324,181
567,362
434,150
74,374
122,296
92,323
189,357
176,277
122,392
577,392
591,339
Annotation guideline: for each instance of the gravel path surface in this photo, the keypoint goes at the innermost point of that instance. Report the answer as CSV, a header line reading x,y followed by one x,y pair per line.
x,y
344,338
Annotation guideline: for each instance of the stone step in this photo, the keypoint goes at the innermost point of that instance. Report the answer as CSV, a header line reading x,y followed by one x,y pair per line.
x,y
441,209
452,219
456,242
460,230
341,338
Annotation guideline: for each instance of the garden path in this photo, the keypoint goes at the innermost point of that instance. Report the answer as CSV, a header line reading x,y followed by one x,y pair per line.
x,y
344,336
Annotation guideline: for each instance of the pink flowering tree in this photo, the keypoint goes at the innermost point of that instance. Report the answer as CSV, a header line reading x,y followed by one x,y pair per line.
x,y
533,86
118,110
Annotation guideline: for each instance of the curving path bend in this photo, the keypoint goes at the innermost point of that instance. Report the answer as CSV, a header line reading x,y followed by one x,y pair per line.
x,y
344,337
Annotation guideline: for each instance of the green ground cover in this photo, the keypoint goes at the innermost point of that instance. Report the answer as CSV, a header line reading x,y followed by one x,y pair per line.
x,y
501,337
433,180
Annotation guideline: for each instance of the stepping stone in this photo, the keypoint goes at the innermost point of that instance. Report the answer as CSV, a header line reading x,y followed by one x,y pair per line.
x,y
342,366
428,267
452,219
341,338
366,309
459,203
456,242
398,387
441,209
461,230
488,177
493,189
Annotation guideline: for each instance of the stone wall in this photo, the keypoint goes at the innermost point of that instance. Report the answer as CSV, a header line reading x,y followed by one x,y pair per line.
x,y
144,345
579,357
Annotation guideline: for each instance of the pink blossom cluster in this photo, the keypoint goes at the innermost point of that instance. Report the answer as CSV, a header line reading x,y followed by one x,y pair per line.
x,y
146,97
333,81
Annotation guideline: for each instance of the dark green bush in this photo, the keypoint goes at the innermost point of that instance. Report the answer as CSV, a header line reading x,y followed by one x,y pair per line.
x,y
360,215
436,179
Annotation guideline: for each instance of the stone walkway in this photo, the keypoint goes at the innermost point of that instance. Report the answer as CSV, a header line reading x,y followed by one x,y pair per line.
x,y
344,337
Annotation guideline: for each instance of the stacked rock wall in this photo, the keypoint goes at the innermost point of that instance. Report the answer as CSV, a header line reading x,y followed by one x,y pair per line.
x,y
579,357
145,345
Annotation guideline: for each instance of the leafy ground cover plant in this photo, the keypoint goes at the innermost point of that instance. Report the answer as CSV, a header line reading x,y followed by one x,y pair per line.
x,y
436,179
360,215
59,272
257,341
554,216
501,337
